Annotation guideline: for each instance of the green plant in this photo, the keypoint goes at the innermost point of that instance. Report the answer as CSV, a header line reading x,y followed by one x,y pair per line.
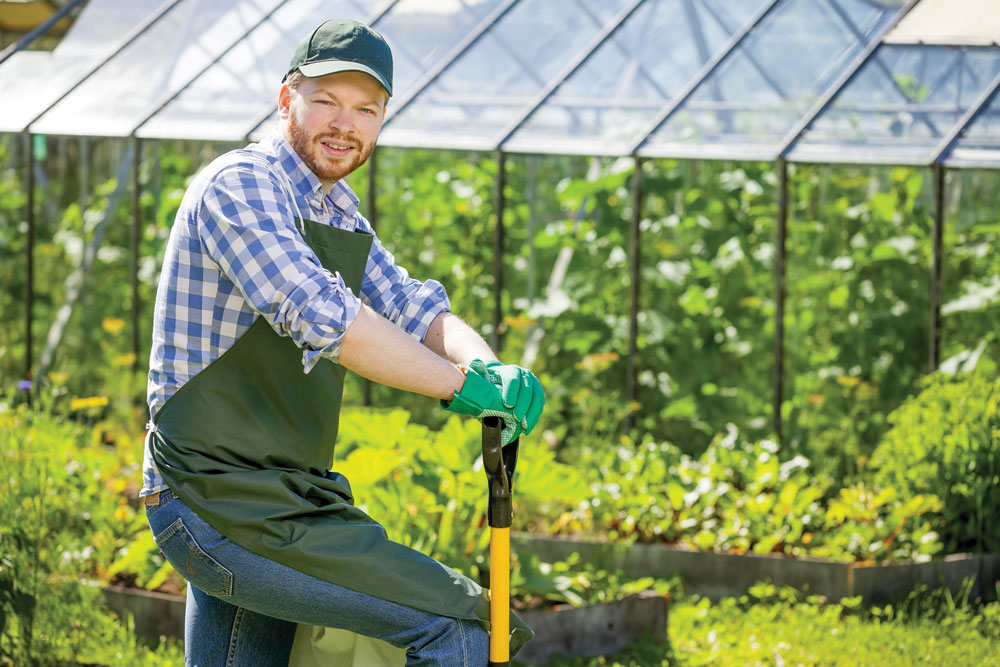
x,y
578,583
771,625
946,441
62,527
875,524
738,497
428,488
858,247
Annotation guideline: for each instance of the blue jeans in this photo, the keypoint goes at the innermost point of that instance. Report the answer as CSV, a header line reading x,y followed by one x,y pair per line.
x,y
243,609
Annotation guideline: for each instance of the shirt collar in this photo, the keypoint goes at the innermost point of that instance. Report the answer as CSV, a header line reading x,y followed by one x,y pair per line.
x,y
307,184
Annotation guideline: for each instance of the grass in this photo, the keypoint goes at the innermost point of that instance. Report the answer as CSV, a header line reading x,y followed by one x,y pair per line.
x,y
778,627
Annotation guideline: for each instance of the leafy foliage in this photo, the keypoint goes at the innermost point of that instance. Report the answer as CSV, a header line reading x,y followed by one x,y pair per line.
x,y
946,441
62,526
858,248
438,480
739,497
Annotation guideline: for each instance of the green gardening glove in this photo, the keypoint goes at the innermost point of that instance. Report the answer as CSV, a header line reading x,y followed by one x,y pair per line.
x,y
481,398
520,390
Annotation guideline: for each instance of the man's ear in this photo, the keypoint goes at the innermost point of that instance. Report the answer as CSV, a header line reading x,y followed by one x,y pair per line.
x,y
284,101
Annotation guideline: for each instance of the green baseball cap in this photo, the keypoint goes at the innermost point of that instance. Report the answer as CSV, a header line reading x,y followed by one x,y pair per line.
x,y
344,45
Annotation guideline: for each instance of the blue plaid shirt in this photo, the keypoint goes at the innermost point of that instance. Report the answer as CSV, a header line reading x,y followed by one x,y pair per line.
x,y
235,254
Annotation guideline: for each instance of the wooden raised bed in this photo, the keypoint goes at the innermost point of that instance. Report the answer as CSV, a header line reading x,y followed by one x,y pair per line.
x,y
597,629
717,575
155,614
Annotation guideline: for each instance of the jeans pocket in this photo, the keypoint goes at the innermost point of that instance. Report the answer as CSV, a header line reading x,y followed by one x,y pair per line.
x,y
180,548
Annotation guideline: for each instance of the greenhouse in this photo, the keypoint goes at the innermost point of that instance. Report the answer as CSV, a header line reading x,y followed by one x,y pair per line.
x,y
691,218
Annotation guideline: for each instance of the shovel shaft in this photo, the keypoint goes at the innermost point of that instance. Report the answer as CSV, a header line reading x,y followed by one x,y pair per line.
x,y
499,462
499,597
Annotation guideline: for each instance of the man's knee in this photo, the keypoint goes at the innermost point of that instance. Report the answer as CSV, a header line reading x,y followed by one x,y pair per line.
x,y
453,641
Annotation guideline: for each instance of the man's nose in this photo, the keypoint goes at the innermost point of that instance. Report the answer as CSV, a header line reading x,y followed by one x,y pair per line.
x,y
342,120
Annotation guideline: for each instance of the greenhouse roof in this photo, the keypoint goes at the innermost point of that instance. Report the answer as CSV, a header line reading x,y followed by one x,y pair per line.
x,y
863,81
970,23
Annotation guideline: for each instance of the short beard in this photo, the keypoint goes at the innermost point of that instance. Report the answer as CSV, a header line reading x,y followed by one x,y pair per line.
x,y
307,146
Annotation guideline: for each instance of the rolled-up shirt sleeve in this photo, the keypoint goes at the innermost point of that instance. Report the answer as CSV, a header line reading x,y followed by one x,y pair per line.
x,y
408,303
249,230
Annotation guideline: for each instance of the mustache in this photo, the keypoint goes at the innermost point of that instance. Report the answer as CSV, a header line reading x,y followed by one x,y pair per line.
x,y
345,139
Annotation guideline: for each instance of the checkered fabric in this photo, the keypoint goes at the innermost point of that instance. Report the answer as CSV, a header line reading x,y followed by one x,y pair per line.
x,y
235,253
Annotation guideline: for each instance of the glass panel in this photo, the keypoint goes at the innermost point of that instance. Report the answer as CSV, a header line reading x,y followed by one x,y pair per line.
x,y
970,287
900,105
494,82
236,91
607,104
232,96
165,57
100,25
979,145
856,314
422,32
758,93
706,328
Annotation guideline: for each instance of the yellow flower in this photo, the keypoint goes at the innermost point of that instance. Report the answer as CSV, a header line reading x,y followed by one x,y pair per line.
x,y
598,361
88,402
121,513
816,399
58,377
124,360
518,322
113,325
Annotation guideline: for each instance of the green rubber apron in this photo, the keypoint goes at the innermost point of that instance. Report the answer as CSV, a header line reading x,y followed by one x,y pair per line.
x,y
248,444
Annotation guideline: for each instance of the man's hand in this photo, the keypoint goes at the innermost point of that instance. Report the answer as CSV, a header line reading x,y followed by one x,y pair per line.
x,y
481,398
520,390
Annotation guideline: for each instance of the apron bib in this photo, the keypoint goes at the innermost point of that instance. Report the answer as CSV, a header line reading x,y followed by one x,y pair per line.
x,y
248,444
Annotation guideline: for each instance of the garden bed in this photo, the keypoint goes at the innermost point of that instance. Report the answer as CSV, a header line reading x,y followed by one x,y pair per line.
x,y
717,575
155,614
595,629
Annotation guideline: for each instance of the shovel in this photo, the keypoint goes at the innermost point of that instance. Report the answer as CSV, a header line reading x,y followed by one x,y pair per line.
x,y
499,464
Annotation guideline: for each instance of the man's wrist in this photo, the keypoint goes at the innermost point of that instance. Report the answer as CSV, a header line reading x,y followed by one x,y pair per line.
x,y
458,382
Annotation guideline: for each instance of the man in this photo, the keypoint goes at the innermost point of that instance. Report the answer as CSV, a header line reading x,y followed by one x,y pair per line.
x,y
272,285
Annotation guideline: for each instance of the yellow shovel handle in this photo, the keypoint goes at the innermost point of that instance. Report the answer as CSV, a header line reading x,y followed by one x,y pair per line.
x,y
499,596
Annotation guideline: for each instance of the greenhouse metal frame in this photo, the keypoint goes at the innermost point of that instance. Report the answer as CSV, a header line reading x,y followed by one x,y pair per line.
x,y
869,82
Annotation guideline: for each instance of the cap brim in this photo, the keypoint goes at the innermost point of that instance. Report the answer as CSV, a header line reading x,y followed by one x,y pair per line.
x,y
313,70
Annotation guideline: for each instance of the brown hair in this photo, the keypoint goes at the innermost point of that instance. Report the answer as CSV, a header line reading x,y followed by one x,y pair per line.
x,y
294,80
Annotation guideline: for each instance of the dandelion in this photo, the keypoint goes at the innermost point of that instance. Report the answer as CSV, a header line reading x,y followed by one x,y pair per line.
x,y
816,399
598,361
124,360
113,325
88,402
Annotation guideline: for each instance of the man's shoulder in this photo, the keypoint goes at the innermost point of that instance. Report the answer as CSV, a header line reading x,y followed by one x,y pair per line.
x,y
253,159
245,169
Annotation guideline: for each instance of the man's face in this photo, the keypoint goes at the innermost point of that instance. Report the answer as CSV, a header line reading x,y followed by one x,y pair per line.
x,y
332,122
